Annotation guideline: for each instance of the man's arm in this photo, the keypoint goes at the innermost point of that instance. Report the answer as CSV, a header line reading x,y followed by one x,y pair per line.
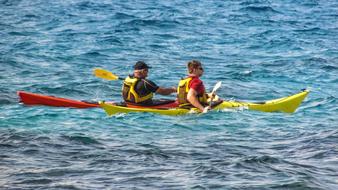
x,y
165,91
192,98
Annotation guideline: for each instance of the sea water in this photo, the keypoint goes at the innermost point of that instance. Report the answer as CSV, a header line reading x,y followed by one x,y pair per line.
x,y
259,49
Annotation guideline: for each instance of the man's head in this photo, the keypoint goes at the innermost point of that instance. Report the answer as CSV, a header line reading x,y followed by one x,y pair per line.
x,y
195,67
141,69
141,65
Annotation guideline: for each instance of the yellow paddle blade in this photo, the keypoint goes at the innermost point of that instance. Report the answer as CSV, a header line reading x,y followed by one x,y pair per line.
x,y
104,74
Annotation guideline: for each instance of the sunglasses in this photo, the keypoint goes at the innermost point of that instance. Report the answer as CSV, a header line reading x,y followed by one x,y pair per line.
x,y
200,68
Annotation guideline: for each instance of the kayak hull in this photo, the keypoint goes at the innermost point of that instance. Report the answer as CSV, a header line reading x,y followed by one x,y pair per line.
x,y
287,105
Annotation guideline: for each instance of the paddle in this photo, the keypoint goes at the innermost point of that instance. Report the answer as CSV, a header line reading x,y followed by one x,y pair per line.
x,y
216,87
104,74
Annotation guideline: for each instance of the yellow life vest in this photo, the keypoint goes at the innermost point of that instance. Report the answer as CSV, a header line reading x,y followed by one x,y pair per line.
x,y
182,93
130,95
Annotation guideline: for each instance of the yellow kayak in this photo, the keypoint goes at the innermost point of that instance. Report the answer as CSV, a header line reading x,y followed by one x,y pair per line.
x,y
287,105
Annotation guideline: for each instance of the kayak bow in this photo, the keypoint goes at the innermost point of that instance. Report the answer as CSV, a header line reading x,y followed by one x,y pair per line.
x,y
33,99
287,105
37,99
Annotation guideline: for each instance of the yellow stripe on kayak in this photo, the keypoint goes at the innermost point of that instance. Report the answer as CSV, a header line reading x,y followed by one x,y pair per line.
x,y
113,109
287,105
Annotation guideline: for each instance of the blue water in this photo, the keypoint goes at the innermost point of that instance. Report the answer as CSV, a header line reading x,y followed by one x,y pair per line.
x,y
259,49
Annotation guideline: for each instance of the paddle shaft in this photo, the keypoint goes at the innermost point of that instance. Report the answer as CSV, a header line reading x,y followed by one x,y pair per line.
x,y
216,87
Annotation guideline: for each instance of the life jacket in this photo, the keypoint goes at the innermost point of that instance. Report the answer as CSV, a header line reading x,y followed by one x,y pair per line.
x,y
182,93
130,95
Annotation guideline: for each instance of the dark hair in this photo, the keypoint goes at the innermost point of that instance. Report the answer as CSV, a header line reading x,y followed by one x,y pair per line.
x,y
193,64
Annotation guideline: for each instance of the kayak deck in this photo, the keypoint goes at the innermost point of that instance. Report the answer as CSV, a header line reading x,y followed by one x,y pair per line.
x,y
287,105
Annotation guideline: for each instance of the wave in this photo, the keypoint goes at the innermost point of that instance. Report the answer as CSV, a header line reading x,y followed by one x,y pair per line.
x,y
122,16
10,2
111,39
313,30
296,184
8,97
94,54
4,101
150,22
93,6
265,159
329,67
81,139
259,9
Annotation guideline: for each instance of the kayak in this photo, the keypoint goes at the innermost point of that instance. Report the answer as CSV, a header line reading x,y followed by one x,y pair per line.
x,y
33,99
287,104
28,98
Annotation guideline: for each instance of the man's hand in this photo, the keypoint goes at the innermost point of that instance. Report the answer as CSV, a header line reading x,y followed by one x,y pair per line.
x,y
206,109
173,89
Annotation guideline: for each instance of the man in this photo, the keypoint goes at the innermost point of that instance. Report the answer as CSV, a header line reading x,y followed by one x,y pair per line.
x,y
139,90
191,91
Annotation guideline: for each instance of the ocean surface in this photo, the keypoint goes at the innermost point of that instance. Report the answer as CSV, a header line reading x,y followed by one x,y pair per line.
x,y
259,49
